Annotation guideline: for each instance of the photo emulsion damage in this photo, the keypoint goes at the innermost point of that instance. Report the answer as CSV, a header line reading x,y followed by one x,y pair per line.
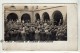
x,y
35,23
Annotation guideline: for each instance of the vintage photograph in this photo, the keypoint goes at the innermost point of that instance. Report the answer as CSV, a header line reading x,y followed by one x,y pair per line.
x,y
35,23
39,27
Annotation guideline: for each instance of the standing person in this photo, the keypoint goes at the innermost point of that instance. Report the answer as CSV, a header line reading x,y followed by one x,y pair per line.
x,y
42,35
16,30
60,35
27,33
46,34
18,25
7,31
18,34
53,32
31,33
51,37
65,33
15,35
11,33
23,33
37,38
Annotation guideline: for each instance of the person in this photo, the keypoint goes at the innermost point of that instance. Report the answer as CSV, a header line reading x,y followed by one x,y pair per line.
x,y
8,36
27,33
15,35
7,31
60,35
42,35
23,33
53,34
48,34
37,38
65,33
12,34
31,33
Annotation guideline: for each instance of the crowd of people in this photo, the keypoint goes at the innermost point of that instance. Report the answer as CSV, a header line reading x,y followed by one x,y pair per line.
x,y
37,31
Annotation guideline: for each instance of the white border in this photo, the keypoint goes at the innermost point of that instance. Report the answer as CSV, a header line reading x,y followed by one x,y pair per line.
x,y
70,44
29,1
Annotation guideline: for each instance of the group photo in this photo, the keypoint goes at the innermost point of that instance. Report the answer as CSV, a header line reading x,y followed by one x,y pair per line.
x,y
35,23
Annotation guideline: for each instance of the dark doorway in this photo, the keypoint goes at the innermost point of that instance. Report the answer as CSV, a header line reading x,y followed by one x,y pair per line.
x,y
58,18
37,16
46,16
12,16
26,18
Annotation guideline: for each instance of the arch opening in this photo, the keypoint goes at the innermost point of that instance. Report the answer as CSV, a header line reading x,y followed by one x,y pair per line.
x,y
57,18
46,16
37,16
26,18
12,16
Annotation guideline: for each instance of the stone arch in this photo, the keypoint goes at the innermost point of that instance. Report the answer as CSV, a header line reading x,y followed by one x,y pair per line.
x,y
57,17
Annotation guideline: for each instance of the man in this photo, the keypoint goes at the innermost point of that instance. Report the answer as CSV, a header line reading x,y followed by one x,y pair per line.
x,y
37,38
23,33
27,33
48,34
31,33
42,35
53,32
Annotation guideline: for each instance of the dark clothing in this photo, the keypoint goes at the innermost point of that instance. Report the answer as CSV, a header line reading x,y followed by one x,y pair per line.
x,y
27,35
48,34
31,35
42,36
53,35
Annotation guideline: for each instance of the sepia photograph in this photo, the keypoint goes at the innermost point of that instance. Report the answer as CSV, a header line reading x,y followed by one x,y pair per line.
x,y
35,23
42,27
